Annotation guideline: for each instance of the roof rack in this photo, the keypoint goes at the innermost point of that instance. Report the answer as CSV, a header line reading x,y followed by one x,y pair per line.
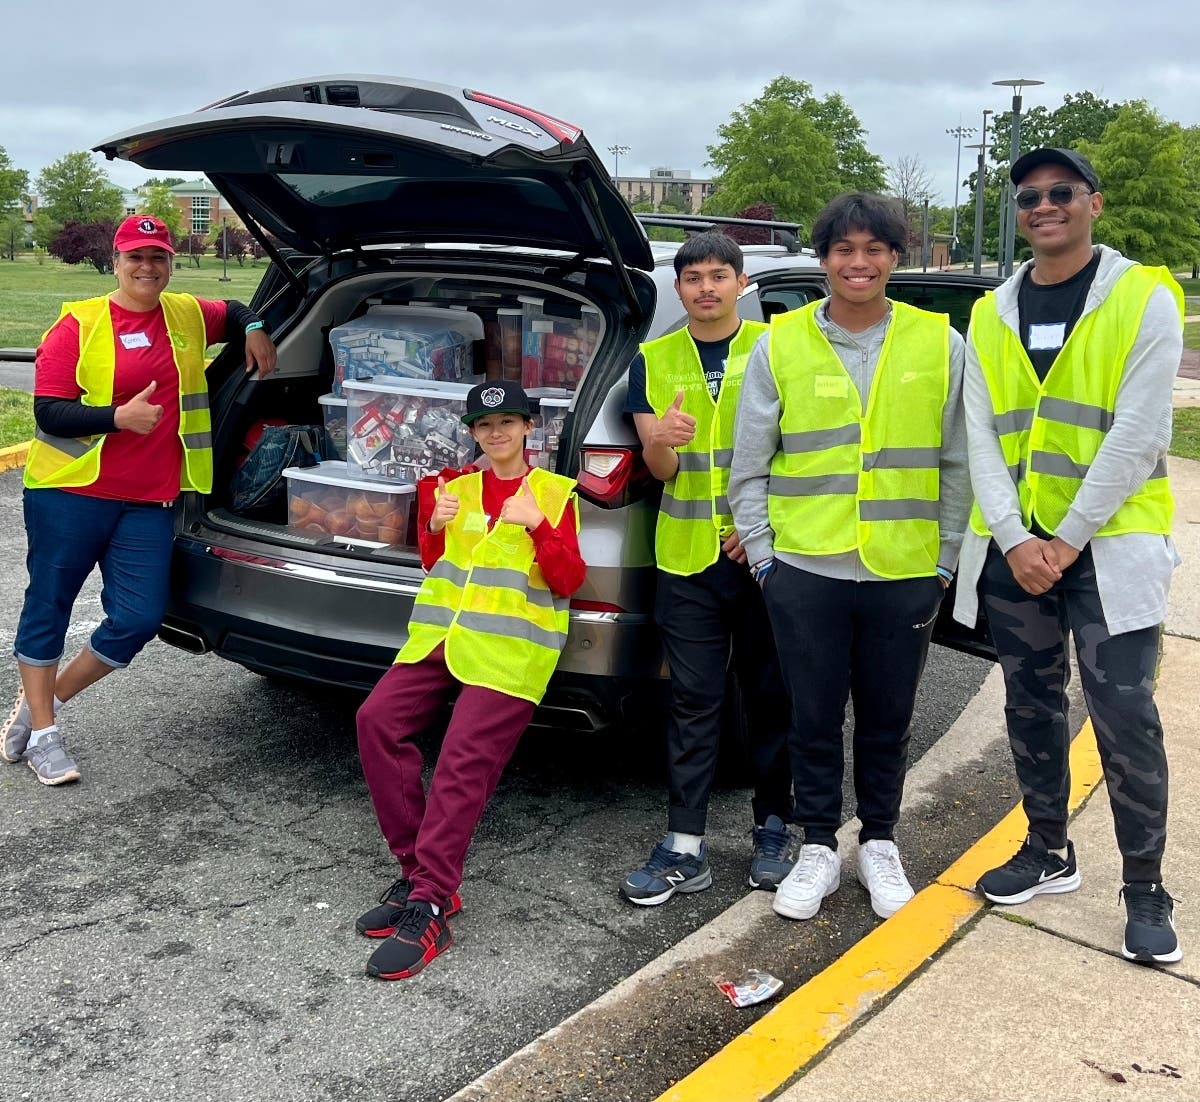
x,y
782,233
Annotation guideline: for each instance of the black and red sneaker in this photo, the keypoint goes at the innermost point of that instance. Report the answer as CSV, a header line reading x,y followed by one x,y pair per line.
x,y
381,921
420,935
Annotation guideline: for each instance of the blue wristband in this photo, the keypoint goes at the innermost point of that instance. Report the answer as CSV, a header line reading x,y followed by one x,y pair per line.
x,y
944,573
760,570
254,325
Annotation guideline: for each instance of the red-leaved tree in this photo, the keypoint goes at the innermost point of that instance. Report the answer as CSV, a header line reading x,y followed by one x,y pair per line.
x,y
84,242
236,239
748,235
192,245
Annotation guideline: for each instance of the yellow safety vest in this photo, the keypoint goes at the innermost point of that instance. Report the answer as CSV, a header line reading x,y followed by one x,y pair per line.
x,y
1051,430
69,461
844,480
694,516
503,627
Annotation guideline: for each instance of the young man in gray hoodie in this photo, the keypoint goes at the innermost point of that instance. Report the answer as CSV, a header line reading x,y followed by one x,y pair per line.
x,y
1070,366
849,486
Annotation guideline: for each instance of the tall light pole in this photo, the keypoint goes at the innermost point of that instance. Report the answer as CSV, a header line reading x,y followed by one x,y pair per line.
x,y
959,132
1014,151
980,176
224,251
977,247
616,151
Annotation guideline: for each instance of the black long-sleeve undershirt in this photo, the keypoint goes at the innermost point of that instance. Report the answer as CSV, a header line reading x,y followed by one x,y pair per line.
x,y
71,418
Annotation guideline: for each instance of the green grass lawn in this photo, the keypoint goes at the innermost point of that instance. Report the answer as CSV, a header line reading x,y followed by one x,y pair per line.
x,y
1191,335
16,417
31,293
1190,286
1185,440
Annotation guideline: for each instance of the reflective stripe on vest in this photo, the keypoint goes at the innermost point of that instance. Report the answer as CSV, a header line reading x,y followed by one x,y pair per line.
x,y
694,515
845,480
66,461
486,598
1051,430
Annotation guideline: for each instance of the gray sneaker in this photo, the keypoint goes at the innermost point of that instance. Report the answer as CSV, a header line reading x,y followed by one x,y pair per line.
x,y
14,732
51,762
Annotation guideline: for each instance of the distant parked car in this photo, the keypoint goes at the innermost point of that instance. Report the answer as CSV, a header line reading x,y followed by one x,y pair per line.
x,y
371,190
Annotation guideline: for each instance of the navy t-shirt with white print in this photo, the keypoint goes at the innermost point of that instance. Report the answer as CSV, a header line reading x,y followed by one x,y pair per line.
x,y
713,357
1048,313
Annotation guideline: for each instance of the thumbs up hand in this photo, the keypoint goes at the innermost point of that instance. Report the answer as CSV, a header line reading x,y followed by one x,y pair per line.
x,y
522,509
675,428
139,414
445,509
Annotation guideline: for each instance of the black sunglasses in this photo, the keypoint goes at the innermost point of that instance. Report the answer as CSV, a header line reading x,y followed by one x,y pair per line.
x,y
1061,195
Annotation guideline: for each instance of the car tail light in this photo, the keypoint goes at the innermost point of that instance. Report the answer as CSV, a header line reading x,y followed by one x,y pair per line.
x,y
563,131
595,606
613,477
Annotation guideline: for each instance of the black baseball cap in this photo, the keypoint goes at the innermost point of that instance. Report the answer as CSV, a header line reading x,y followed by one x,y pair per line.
x,y
1068,158
496,396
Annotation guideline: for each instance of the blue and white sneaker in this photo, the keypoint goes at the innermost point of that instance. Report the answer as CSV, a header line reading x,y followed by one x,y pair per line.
x,y
666,873
15,730
773,858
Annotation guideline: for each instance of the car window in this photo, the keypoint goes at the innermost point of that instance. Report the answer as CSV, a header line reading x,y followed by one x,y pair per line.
x,y
779,300
955,301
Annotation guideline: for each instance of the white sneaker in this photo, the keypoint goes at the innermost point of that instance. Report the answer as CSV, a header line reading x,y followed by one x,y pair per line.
x,y
816,874
880,872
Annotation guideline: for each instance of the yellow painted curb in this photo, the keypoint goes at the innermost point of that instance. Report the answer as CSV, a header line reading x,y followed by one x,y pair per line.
x,y
11,458
770,1053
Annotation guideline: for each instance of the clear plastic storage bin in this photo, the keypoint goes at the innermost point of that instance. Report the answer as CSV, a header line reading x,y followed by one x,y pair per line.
x,y
409,342
549,404
325,498
401,430
334,410
556,350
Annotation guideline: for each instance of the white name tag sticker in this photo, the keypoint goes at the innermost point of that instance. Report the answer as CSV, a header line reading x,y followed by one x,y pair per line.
x,y
1047,337
831,386
135,340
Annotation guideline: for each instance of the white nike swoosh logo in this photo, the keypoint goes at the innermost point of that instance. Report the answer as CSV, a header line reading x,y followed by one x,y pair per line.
x,y
1043,876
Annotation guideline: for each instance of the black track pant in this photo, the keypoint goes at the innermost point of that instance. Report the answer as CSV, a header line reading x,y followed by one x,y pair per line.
x,y
841,640
701,618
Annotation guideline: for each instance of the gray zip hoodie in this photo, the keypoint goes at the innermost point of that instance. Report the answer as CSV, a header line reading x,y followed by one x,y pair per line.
x,y
1133,572
757,439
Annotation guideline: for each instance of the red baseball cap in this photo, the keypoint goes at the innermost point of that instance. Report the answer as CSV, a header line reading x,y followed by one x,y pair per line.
x,y
141,230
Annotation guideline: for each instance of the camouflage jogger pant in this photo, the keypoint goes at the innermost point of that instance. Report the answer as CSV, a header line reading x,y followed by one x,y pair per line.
x,y
1116,673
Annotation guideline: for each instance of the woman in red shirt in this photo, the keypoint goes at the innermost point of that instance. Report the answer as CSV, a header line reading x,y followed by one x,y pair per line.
x,y
121,409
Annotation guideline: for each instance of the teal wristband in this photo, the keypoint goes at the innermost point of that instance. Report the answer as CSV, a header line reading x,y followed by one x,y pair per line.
x,y
943,572
254,325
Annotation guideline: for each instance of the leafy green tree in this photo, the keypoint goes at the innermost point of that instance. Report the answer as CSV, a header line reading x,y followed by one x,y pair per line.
x,y
14,183
1149,200
791,150
12,233
157,200
163,181
75,189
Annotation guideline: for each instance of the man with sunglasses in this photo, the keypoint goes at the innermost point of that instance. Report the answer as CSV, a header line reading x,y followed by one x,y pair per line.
x,y
1070,367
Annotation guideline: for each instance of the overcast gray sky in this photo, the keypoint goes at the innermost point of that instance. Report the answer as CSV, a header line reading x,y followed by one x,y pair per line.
x,y
657,77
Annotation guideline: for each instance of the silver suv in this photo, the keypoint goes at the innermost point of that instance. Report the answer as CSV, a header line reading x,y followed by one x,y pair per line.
x,y
379,190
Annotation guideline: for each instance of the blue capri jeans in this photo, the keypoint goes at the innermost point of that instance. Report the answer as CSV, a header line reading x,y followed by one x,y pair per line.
x,y
70,534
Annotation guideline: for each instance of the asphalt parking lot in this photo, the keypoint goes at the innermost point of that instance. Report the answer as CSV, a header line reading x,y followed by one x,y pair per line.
x,y
180,923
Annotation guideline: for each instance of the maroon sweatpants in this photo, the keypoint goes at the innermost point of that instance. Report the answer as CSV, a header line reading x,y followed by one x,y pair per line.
x,y
430,834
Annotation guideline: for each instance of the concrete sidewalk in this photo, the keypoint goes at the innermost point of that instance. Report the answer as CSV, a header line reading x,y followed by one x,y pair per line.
x,y
1035,1002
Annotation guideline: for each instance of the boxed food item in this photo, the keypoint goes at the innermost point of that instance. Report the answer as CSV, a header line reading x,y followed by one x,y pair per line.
x,y
556,350
400,430
413,342
334,410
325,498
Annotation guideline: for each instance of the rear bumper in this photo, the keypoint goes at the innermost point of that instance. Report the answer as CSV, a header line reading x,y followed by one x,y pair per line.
x,y
332,627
